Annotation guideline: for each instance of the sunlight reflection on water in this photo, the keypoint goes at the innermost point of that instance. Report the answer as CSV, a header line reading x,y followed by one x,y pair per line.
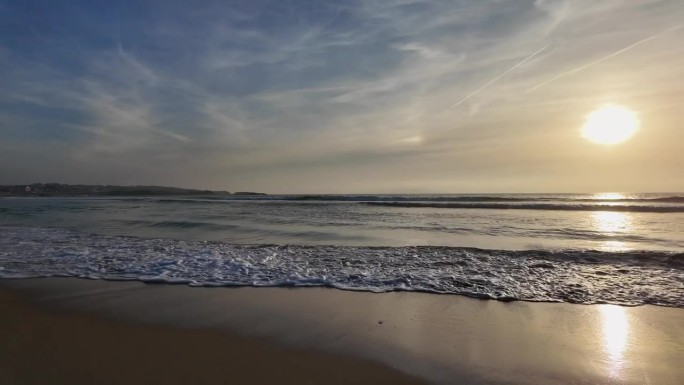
x,y
611,223
609,196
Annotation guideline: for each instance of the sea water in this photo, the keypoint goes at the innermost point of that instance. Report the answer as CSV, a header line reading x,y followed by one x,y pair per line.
x,y
612,248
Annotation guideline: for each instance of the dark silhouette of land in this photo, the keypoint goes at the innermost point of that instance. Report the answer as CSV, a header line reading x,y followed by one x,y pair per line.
x,y
59,189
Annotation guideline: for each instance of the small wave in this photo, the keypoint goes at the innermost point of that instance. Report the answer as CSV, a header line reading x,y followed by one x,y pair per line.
x,y
657,205
465,198
535,206
189,225
177,224
671,199
419,198
407,198
249,232
187,200
577,276
675,199
591,235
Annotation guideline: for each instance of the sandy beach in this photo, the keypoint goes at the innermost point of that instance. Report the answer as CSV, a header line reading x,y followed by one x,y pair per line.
x,y
57,347
66,330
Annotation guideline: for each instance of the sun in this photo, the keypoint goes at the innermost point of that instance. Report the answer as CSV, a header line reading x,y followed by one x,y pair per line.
x,y
611,124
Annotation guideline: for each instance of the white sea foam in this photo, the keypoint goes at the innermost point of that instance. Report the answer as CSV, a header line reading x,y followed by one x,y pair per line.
x,y
628,278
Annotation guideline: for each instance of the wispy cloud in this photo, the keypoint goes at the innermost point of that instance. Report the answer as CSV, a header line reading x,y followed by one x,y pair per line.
x,y
604,58
476,91
241,95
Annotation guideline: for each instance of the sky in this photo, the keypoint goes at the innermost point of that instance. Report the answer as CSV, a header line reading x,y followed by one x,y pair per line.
x,y
377,96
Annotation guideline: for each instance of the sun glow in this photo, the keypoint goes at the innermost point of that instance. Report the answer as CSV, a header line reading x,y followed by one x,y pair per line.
x,y
610,124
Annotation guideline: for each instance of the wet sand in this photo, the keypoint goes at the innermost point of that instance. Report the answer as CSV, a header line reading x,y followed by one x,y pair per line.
x,y
69,330
56,347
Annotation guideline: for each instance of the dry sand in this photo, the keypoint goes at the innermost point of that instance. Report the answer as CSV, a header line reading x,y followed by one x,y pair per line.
x,y
99,331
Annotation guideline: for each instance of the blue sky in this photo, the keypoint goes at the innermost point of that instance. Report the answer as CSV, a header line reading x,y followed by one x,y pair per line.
x,y
350,96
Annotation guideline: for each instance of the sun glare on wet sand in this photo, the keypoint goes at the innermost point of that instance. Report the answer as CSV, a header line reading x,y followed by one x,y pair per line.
x,y
615,336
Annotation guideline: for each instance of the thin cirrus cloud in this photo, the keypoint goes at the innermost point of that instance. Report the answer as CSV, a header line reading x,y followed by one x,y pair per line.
x,y
368,96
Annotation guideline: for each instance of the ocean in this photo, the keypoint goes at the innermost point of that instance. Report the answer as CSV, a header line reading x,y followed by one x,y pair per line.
x,y
625,249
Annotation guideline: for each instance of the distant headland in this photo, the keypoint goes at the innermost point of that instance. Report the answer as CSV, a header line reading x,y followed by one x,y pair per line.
x,y
59,189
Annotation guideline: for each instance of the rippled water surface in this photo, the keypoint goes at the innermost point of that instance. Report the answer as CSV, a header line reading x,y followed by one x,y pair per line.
x,y
578,248
641,222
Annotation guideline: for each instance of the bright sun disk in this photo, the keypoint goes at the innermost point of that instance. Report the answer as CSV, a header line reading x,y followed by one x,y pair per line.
x,y
610,124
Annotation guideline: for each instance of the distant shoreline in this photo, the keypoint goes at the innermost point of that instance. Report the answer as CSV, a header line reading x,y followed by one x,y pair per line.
x,y
67,190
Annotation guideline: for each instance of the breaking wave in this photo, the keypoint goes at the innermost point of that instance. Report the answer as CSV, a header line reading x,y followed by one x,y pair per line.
x,y
576,276
419,198
536,206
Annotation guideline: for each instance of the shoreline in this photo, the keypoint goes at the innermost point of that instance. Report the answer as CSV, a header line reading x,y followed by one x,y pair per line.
x,y
439,338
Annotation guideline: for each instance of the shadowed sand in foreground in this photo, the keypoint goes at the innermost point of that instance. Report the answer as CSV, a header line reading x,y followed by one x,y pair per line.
x,y
70,331
54,347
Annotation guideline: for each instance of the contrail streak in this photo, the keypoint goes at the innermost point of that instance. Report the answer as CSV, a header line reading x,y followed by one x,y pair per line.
x,y
612,55
470,95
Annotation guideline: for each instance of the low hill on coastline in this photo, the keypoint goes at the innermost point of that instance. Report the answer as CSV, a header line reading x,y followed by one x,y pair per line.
x,y
59,189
